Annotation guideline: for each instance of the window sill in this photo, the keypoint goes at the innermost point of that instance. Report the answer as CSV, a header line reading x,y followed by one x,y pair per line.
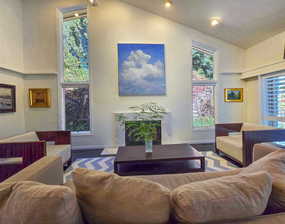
x,y
203,129
82,133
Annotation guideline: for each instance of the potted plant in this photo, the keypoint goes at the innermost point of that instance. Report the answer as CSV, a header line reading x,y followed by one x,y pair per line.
x,y
144,130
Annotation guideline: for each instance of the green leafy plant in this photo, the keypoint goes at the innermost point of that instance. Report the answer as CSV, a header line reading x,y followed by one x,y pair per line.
x,y
145,129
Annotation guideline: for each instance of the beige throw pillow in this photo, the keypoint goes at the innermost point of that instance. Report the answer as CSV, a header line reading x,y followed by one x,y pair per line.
x,y
273,163
107,198
222,199
34,203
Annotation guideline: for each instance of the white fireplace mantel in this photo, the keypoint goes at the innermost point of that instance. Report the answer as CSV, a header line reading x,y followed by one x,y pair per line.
x,y
166,130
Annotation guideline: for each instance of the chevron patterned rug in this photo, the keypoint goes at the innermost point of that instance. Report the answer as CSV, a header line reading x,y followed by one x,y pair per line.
x,y
213,163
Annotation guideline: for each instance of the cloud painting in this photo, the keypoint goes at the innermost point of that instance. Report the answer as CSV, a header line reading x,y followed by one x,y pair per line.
x,y
141,70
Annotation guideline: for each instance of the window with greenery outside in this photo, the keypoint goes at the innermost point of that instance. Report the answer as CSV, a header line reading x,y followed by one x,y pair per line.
x,y
203,65
76,50
203,91
76,74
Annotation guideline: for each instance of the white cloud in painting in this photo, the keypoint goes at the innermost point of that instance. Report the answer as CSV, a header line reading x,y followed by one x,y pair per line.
x,y
138,69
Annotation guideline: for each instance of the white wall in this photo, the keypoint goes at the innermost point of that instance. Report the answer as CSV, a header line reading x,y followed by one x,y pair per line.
x,y
229,111
115,22
11,57
13,123
41,119
263,58
267,52
252,101
11,35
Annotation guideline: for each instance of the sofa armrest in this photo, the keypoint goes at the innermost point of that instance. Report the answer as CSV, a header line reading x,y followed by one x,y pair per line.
x,y
47,170
59,137
29,151
250,138
225,129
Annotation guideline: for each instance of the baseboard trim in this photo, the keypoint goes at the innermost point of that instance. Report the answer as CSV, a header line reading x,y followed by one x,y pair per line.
x,y
90,147
202,141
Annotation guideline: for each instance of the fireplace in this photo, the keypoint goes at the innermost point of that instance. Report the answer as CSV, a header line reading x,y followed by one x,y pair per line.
x,y
130,141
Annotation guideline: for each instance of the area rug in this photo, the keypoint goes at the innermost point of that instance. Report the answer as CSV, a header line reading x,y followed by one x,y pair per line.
x,y
106,163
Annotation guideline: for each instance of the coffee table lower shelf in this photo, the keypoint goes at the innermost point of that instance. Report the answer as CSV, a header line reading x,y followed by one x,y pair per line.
x,y
159,167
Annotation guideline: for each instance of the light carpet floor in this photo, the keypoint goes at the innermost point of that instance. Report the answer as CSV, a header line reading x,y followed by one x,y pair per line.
x,y
106,163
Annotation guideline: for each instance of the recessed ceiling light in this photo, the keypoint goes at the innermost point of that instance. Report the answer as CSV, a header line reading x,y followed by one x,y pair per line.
x,y
215,21
76,14
94,2
168,3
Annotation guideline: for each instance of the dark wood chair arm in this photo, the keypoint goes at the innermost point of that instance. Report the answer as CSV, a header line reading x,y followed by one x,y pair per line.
x,y
29,151
59,137
225,129
250,138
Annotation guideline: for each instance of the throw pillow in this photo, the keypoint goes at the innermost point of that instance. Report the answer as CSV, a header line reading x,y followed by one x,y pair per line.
x,y
222,199
33,203
107,198
273,163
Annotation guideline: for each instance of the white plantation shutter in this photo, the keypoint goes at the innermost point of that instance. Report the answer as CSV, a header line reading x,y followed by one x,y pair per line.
x,y
274,99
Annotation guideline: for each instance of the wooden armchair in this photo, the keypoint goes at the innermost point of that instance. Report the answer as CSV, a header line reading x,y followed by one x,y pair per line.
x,y
247,138
27,151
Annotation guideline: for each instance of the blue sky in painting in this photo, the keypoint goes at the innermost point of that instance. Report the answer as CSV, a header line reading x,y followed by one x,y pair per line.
x,y
141,69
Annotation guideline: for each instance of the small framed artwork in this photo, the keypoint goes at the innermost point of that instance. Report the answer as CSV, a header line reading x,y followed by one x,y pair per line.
x,y
7,98
39,98
233,95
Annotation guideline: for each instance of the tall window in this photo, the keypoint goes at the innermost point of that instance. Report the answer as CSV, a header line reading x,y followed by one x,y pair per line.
x,y
75,80
274,101
203,88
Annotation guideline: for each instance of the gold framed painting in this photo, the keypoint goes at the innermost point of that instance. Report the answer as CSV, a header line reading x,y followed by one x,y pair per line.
x,y
233,95
39,98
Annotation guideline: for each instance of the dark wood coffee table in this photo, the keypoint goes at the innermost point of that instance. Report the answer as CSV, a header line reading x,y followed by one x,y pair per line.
x,y
165,159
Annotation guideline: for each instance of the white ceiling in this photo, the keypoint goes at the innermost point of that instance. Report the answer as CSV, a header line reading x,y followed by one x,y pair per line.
x,y
245,22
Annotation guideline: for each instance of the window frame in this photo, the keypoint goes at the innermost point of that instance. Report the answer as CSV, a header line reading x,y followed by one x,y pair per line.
x,y
62,84
213,83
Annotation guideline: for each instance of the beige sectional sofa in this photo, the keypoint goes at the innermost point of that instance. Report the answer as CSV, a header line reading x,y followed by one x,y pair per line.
x,y
236,140
48,171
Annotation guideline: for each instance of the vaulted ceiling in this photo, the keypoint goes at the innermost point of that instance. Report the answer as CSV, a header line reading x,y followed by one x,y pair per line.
x,y
245,22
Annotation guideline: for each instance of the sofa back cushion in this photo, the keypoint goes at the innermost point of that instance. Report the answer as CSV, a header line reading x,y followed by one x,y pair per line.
x,y
107,198
33,203
255,127
27,137
222,199
273,163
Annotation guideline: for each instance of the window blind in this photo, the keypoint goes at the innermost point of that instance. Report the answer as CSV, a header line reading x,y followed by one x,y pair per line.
x,y
274,93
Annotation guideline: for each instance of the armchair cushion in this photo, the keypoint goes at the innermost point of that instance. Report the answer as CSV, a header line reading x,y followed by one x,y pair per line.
x,y
9,161
64,151
27,137
226,198
231,145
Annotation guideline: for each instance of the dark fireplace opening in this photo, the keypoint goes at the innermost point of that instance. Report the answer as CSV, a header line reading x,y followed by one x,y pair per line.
x,y
130,141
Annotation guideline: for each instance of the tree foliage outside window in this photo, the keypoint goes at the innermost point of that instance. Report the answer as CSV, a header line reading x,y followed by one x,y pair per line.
x,y
76,74
203,92
77,109
203,65
203,106
75,33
